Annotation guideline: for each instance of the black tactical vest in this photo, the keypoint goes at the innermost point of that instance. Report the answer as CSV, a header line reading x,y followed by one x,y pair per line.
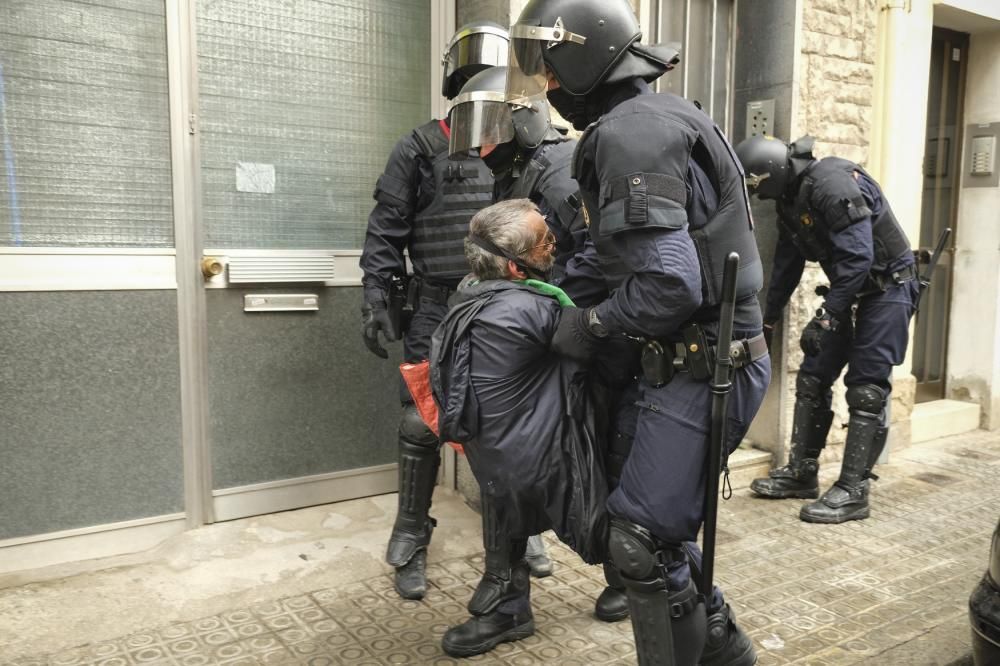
x,y
439,228
546,178
828,201
651,197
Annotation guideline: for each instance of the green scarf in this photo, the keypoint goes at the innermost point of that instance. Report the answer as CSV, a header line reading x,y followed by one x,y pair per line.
x,y
550,290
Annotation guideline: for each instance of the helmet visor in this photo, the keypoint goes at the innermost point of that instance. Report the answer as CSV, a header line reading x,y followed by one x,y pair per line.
x,y
526,75
526,69
478,119
472,51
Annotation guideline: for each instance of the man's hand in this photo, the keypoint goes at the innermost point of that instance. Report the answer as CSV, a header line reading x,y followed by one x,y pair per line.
x,y
574,336
375,318
820,332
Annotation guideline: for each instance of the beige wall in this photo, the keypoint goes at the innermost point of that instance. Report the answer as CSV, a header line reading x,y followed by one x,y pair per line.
x,y
974,365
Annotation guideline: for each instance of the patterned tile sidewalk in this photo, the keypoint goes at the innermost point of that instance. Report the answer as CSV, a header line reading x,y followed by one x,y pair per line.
x,y
807,594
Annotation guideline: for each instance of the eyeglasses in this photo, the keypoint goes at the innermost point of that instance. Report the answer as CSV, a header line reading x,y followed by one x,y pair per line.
x,y
550,241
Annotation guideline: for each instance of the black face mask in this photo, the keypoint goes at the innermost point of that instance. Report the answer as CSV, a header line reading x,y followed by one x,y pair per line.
x,y
570,107
501,159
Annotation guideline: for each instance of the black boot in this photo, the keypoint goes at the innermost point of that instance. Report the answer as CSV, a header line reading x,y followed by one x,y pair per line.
x,y
838,505
867,432
810,426
411,579
418,465
482,633
612,604
500,608
726,644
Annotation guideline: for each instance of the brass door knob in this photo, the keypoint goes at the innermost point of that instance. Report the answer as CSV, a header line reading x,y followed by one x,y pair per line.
x,y
211,266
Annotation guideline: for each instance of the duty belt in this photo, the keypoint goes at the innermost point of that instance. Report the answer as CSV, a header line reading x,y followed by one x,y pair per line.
x,y
437,293
743,352
879,282
662,360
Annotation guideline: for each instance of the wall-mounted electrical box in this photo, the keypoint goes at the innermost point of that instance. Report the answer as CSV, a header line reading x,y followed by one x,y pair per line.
x,y
981,168
760,117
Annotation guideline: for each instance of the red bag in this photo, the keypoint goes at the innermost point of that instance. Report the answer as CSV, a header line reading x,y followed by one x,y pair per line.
x,y
418,380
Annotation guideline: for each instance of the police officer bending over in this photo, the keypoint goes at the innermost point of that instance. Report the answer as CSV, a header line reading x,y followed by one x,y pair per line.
x,y
666,202
832,212
423,204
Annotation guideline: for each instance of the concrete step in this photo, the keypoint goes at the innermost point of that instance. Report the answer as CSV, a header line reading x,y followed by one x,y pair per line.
x,y
943,418
746,464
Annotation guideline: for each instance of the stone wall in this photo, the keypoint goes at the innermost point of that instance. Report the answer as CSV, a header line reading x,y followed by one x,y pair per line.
x,y
837,70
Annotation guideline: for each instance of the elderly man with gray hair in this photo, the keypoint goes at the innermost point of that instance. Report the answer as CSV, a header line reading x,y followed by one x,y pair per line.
x,y
527,418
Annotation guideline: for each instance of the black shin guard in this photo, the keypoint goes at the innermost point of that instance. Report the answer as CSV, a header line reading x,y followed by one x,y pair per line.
x,y
669,625
810,425
811,419
847,499
867,432
501,579
419,457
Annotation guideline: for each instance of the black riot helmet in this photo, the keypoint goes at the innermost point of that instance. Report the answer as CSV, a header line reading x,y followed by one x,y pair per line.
x,y
474,47
771,165
765,162
584,44
480,115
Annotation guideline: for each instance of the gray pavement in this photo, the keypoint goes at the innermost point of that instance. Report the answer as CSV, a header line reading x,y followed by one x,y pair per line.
x,y
308,587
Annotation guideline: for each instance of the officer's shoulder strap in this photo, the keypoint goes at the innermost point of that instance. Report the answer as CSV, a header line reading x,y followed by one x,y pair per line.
x,y
431,139
577,162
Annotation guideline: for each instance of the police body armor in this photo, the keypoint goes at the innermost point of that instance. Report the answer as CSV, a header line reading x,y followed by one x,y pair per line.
x,y
540,180
828,201
546,181
647,197
440,227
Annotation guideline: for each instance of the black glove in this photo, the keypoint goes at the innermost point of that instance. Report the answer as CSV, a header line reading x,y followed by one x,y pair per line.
x,y
768,334
820,331
574,337
375,318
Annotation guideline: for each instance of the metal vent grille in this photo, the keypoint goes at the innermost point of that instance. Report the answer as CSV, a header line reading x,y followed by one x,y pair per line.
x,y
318,268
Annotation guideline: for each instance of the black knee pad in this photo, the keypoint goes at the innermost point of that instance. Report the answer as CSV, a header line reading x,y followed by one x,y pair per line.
x,y
412,428
633,550
867,398
637,554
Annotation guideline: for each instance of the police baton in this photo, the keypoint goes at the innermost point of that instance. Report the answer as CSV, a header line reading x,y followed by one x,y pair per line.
x,y
932,261
721,385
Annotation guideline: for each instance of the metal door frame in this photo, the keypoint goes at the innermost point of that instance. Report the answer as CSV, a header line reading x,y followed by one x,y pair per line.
x,y
650,12
927,391
192,313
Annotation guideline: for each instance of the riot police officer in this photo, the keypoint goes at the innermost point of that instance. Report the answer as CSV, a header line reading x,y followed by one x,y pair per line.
x,y
531,160
528,157
665,198
832,212
423,204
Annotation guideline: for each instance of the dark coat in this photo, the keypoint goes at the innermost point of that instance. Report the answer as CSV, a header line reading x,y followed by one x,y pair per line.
x,y
526,417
